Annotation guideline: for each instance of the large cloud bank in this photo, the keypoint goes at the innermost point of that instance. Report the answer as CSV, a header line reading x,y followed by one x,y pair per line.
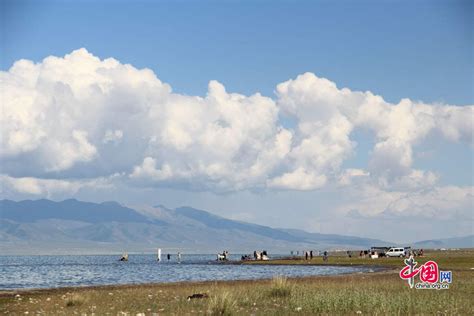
x,y
77,121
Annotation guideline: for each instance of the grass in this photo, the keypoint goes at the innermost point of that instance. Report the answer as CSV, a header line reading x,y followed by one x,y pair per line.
x,y
74,300
222,303
280,287
368,293
450,260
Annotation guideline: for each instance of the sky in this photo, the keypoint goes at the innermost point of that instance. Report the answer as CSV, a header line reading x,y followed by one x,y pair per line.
x,y
329,116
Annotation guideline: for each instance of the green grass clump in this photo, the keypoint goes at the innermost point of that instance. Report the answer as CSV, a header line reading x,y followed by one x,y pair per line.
x,y
280,287
222,304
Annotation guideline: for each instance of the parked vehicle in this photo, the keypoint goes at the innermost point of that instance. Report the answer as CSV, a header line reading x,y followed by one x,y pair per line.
x,y
395,252
381,251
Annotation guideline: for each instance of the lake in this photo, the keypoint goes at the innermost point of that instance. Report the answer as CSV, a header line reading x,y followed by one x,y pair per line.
x,y
26,272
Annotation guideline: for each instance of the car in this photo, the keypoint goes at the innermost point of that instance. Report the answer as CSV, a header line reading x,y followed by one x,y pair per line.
x,y
395,252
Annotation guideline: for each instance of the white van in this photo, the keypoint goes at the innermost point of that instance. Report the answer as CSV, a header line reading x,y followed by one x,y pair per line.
x,y
396,252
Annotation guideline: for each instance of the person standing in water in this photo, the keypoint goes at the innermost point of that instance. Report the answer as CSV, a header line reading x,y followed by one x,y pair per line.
x,y
179,257
169,257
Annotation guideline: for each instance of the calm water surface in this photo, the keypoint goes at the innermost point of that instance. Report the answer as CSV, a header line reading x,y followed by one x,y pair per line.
x,y
60,271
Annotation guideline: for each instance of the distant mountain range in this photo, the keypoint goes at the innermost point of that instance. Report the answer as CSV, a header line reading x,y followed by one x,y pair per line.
x,y
456,242
72,226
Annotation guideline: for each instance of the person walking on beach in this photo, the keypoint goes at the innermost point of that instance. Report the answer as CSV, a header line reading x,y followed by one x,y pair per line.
x,y
306,255
311,255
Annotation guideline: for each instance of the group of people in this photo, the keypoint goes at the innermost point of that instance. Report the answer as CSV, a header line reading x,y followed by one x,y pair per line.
x,y
168,256
260,255
381,253
309,254
415,252
224,256
178,257
246,257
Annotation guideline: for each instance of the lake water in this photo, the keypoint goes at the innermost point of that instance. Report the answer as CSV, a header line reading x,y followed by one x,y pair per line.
x,y
18,272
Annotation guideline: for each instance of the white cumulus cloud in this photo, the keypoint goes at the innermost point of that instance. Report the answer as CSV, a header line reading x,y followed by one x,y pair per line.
x,y
51,187
80,117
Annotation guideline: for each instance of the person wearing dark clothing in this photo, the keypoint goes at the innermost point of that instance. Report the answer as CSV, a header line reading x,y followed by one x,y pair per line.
x,y
169,257
311,255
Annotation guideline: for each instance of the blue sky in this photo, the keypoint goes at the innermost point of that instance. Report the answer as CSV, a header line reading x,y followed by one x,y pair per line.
x,y
416,49
421,50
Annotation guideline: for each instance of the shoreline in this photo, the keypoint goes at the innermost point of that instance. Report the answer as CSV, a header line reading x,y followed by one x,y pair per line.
x,y
361,292
79,288
375,269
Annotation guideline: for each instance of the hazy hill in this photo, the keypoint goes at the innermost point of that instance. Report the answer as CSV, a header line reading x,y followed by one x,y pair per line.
x,y
73,226
456,242
31,211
